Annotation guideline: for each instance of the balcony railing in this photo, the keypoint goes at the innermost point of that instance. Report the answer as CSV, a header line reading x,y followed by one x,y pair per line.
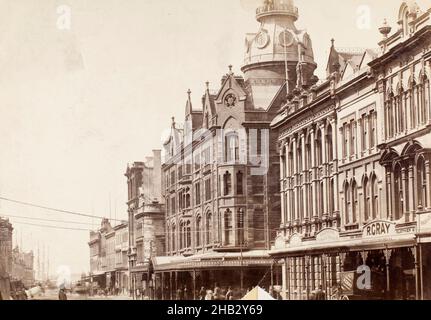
x,y
279,8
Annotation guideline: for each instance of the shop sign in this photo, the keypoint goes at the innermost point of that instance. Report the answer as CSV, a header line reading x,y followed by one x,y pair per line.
x,y
379,228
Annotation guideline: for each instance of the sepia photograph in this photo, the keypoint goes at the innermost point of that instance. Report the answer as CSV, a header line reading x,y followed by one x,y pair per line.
x,y
215,150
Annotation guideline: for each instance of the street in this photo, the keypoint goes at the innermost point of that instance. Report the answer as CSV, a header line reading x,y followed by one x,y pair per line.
x,y
53,295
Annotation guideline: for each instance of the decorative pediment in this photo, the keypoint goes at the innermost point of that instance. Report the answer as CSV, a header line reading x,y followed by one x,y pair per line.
x,y
295,240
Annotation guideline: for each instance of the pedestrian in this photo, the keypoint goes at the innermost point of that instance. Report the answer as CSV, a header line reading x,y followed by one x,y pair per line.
x,y
185,293
202,293
320,295
62,294
209,295
216,295
229,294
180,294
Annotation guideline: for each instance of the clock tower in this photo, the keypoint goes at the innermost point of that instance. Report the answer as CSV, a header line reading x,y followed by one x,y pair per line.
x,y
279,52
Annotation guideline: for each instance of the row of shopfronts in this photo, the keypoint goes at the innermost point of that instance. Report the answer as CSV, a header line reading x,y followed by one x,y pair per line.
x,y
393,263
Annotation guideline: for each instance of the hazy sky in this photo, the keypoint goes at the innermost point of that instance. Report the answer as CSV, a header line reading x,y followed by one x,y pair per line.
x,y
77,105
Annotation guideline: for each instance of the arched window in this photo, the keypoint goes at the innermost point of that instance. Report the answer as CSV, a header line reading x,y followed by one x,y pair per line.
x,y
227,179
390,116
198,231
208,229
240,220
367,200
422,184
239,183
400,110
299,156
290,161
187,194
347,202
228,232
308,153
232,147
355,205
375,195
329,144
318,147
398,191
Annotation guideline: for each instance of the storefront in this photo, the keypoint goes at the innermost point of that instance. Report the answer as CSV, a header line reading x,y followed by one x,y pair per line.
x,y
384,260
181,278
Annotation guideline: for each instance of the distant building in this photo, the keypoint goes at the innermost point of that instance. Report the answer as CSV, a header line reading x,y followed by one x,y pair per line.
x,y
146,222
6,231
23,266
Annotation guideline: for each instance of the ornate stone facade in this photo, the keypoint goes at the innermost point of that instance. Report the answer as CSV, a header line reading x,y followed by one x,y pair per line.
x,y
355,170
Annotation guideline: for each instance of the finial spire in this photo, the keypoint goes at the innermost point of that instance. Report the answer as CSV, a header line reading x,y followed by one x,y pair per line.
x,y
207,84
230,69
173,122
189,93
332,41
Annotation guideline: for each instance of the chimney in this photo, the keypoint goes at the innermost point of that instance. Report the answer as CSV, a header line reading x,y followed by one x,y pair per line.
x,y
157,175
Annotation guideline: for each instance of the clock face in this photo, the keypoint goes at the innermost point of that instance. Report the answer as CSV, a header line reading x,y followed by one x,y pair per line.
x,y
262,39
286,38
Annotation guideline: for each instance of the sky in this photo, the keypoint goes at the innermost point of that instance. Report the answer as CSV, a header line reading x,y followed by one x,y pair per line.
x,y
78,104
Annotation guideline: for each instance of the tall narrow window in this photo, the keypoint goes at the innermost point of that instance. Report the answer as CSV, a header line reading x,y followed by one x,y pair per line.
x,y
239,183
188,198
398,191
174,235
240,219
319,157
227,179
329,144
232,147
290,162
198,231
352,138
208,229
367,200
331,197
373,131
321,199
355,205
308,154
422,183
375,194
347,203
299,156
198,193
427,97
189,235
228,227
208,195
364,130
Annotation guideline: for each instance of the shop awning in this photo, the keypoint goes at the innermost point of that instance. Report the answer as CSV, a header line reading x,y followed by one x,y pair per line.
x,y
348,245
213,260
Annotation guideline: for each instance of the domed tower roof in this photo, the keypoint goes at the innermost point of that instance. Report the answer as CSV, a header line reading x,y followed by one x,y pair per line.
x,y
276,50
